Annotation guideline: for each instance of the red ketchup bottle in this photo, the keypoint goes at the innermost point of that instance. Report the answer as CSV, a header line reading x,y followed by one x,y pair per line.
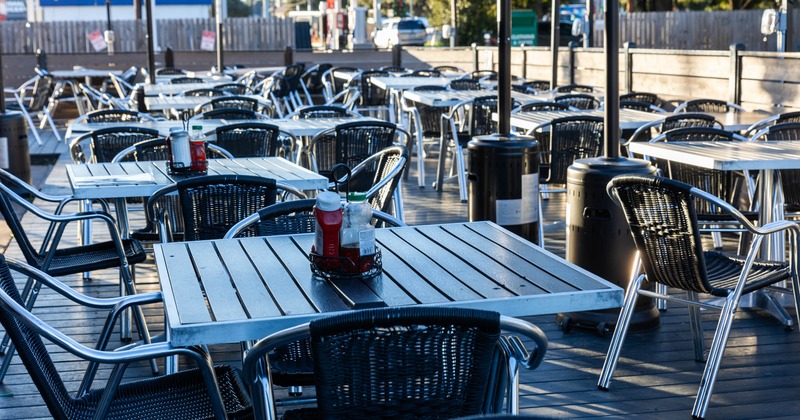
x,y
328,214
197,150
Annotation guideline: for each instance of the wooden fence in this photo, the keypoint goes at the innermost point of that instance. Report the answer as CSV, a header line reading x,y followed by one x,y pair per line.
x,y
240,34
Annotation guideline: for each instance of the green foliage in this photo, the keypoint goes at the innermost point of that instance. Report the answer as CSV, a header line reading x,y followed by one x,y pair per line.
x,y
237,8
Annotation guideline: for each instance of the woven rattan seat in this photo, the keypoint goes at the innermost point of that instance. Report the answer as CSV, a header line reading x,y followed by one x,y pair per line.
x,y
662,217
185,395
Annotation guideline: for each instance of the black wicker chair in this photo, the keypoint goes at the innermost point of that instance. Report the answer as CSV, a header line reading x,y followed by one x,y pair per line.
x,y
233,88
312,77
478,115
103,144
785,117
349,143
395,69
649,98
210,205
407,347
204,392
169,71
543,106
708,105
116,115
379,176
322,111
426,121
184,80
374,101
578,100
483,74
235,102
790,178
57,260
251,140
424,73
447,68
33,97
230,114
640,106
574,88
210,92
671,122
465,84
662,216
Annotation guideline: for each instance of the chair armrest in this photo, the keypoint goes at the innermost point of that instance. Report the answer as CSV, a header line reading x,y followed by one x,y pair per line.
x,y
530,360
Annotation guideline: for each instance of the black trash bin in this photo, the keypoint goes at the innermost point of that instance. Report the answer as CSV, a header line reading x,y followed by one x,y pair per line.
x,y
598,239
14,153
503,183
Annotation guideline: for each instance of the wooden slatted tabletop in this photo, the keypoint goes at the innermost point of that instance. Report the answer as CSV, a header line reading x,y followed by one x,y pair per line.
x,y
241,289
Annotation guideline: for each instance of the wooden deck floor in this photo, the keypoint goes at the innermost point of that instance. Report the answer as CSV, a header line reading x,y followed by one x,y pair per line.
x,y
656,377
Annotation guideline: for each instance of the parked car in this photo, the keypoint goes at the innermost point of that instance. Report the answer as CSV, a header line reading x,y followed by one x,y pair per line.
x,y
564,36
400,31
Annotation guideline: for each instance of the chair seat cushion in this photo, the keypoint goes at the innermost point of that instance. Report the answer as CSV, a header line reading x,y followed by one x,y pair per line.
x,y
92,257
182,395
724,270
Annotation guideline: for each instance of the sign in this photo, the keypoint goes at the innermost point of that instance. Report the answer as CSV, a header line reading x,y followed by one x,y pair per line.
x,y
524,26
208,41
97,41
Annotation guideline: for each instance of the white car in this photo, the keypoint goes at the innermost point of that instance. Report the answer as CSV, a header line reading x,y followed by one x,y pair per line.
x,y
400,31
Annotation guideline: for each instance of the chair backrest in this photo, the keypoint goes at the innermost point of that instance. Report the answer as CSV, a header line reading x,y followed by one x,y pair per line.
x,y
386,167
116,115
212,204
106,143
719,183
483,74
542,106
294,216
786,117
291,74
424,73
426,362
707,105
578,100
249,139
166,71
233,88
204,92
14,223
650,98
449,68
539,85
351,143
235,102
322,111
574,88
31,349
313,77
182,80
465,84
372,95
683,120
571,138
480,115
229,114
640,106
790,178
662,217
42,91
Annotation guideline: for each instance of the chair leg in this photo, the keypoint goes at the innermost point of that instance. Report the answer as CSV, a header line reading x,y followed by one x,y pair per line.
x,y
696,324
621,330
714,358
461,172
661,304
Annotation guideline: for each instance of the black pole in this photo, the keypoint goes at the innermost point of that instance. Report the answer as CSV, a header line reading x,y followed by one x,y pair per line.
x,y
137,9
218,6
504,66
555,26
2,86
151,57
108,15
611,113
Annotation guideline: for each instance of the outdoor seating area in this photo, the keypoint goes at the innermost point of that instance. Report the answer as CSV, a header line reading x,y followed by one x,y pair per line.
x,y
136,266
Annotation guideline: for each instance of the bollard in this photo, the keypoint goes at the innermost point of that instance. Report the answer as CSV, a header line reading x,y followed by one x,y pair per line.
x,y
41,59
288,56
397,53
475,58
169,57
735,74
629,66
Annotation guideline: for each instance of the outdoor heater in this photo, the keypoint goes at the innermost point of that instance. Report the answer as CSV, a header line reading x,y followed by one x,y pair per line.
x,y
504,167
597,232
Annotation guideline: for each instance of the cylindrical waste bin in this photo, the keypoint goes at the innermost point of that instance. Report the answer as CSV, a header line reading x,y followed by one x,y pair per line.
x,y
14,154
598,238
504,183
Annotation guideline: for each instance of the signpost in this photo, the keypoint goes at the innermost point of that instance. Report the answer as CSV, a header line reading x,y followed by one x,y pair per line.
x,y
524,26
